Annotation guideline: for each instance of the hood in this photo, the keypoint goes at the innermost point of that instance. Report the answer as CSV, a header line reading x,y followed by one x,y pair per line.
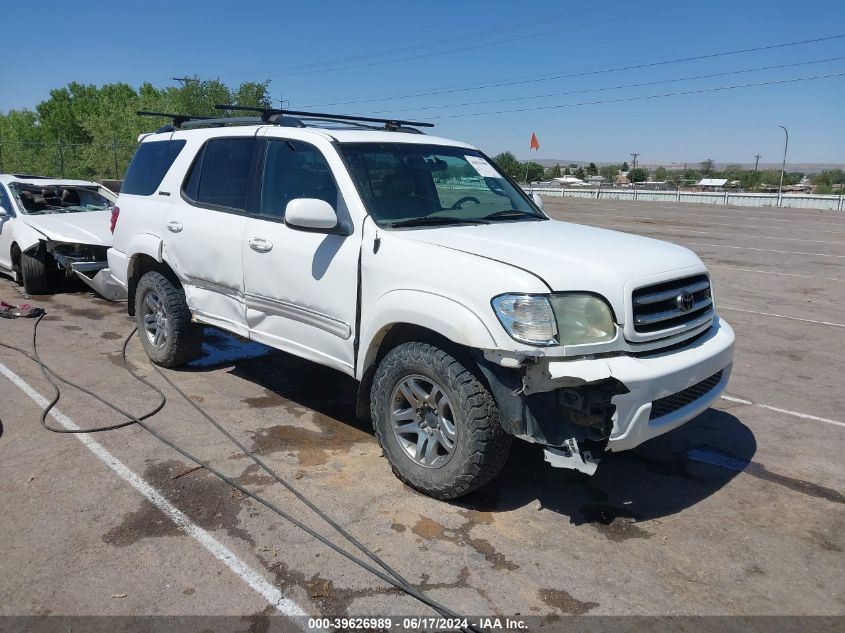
x,y
571,257
83,227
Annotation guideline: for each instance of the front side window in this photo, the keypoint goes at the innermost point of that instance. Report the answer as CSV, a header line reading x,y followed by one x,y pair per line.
x,y
5,203
221,172
293,170
405,184
149,165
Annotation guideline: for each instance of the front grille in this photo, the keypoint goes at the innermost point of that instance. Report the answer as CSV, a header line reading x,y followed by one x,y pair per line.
x,y
669,404
662,306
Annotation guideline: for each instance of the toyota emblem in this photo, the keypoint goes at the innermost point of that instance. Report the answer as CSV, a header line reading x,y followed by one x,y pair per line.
x,y
685,301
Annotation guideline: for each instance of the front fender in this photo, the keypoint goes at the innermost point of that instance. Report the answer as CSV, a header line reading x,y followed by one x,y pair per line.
x,y
26,237
425,309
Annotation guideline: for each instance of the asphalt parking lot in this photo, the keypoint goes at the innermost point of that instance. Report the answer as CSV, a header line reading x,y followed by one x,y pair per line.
x,y
739,512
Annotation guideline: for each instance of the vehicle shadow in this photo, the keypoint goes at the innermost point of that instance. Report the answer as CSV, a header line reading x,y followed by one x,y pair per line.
x,y
658,478
661,477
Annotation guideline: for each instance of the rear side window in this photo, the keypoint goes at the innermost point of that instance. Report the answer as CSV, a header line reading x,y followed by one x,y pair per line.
x,y
149,165
221,173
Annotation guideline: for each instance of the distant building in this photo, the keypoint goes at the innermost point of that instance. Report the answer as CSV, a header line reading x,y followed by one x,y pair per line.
x,y
653,185
621,180
596,180
712,184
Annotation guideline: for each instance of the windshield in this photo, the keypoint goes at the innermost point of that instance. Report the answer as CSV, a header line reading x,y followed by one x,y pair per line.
x,y
406,184
41,199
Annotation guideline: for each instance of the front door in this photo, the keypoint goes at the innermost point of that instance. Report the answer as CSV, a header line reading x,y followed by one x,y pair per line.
x,y
6,216
301,286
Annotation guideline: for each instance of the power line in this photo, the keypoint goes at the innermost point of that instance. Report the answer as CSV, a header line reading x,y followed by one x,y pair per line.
x,y
646,97
459,38
464,48
618,87
522,81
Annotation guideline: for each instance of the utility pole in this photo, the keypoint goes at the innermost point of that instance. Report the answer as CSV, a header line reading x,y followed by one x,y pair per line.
x,y
783,166
184,80
633,167
757,158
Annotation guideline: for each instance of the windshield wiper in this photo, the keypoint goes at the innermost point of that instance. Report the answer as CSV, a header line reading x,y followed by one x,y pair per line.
x,y
434,220
512,213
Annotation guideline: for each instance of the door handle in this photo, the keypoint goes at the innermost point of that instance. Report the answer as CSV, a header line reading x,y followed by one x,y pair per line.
x,y
260,245
174,227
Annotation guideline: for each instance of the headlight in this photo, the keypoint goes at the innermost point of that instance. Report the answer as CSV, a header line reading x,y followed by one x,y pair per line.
x,y
527,318
564,319
582,318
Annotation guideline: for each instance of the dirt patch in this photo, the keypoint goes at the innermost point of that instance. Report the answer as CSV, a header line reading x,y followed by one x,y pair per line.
x,y
72,328
328,599
312,448
565,603
209,502
111,336
429,529
615,524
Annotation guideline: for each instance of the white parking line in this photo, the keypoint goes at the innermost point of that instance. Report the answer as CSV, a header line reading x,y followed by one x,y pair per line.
x,y
782,316
694,221
706,213
767,250
685,230
258,583
772,272
805,416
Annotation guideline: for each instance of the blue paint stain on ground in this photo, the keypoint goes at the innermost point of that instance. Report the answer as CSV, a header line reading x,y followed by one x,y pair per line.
x,y
220,348
716,457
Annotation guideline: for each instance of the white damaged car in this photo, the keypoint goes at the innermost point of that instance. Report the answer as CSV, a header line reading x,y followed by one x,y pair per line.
x,y
51,228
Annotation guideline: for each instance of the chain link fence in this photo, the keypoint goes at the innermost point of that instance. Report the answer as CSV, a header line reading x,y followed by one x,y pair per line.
x,y
85,161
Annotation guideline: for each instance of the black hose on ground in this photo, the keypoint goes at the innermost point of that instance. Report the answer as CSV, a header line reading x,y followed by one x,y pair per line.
x,y
388,575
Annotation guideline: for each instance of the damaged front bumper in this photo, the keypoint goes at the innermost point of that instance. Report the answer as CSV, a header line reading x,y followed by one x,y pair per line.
x,y
98,277
612,403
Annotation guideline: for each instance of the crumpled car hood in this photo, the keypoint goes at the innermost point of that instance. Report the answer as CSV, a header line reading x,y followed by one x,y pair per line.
x,y
84,227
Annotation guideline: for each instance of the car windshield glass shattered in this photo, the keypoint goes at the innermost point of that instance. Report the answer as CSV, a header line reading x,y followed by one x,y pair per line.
x,y
418,185
41,199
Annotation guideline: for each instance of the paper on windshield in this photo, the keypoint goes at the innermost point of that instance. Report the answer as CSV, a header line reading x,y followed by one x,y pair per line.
x,y
484,169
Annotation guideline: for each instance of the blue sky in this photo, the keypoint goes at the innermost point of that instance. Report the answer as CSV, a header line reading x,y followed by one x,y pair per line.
x,y
405,48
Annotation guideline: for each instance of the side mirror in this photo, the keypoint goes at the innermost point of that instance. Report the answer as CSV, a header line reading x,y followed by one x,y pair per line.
x,y
537,200
310,214
4,212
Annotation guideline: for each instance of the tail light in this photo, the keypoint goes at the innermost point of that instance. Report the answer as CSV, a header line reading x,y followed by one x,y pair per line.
x,y
115,213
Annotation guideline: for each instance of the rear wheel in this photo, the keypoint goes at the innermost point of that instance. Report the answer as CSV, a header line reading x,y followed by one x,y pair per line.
x,y
34,271
436,421
164,322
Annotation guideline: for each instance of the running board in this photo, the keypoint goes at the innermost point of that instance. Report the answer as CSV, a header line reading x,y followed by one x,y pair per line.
x,y
98,277
569,456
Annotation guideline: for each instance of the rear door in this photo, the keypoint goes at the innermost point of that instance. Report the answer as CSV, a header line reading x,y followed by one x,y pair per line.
x,y
301,285
204,231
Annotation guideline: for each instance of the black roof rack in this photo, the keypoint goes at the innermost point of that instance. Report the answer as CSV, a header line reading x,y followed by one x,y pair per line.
x,y
272,115
178,119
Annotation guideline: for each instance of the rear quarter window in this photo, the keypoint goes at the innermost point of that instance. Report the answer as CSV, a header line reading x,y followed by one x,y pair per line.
x,y
149,165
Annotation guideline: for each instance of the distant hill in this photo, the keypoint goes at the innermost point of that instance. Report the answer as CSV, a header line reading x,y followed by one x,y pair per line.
x,y
807,168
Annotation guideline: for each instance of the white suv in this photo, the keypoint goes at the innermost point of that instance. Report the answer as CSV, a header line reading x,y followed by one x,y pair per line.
x,y
413,264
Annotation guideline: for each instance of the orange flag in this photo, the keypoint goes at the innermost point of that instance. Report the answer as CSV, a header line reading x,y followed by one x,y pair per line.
x,y
535,144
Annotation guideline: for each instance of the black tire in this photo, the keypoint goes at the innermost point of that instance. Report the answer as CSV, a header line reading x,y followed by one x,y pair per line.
x,y
183,339
35,272
481,446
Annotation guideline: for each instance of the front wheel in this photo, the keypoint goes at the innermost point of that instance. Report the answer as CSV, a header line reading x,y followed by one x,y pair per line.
x,y
164,322
437,423
34,271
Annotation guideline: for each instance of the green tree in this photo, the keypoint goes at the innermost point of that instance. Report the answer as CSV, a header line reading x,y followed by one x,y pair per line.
x,y
707,166
637,175
579,173
508,163
661,174
609,172
555,173
625,166
592,170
